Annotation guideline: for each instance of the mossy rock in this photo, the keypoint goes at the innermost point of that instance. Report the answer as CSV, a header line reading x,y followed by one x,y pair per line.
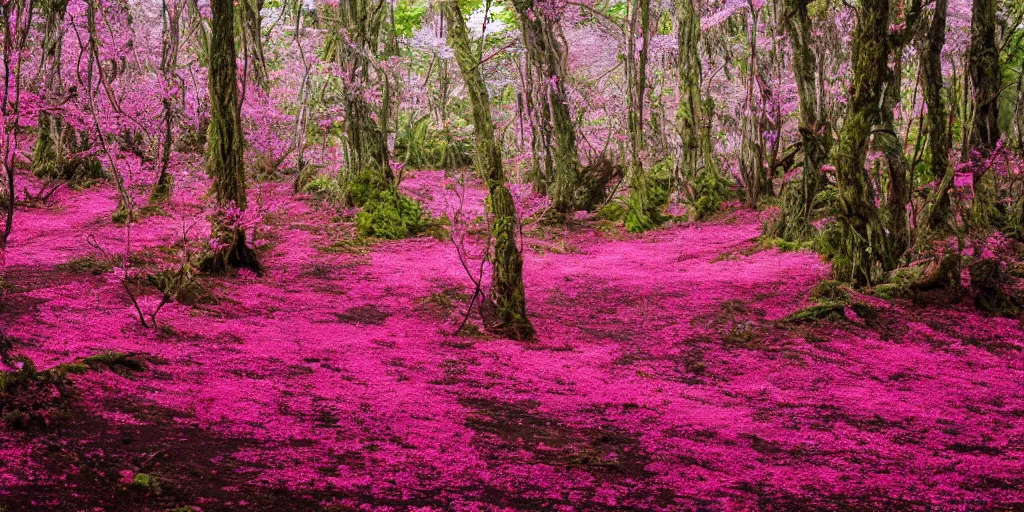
x,y
831,291
117,362
832,311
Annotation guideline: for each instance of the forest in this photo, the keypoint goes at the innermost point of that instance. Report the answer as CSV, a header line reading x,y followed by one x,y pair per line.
x,y
489,255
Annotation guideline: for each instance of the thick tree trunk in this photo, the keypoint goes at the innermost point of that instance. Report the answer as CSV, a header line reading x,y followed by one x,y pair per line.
x,y
358,43
693,115
507,290
986,80
225,143
864,241
546,55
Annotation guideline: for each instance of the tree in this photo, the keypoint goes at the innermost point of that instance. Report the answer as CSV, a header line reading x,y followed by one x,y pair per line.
x,y
170,13
356,45
636,81
936,118
693,115
56,140
986,81
794,222
507,289
547,56
225,143
863,241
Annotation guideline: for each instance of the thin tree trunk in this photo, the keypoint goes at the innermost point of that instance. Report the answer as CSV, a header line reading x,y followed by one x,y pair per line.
x,y
546,55
168,64
507,289
936,120
636,76
225,144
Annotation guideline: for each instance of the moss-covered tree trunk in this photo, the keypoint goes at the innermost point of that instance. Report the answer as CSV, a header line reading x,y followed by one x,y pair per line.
x,y
897,194
636,76
545,54
794,222
507,290
986,80
358,45
225,143
49,154
693,115
864,241
936,119
252,35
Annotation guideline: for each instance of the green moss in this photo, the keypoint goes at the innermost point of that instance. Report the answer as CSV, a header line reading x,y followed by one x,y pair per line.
x,y
391,215
89,265
830,291
784,245
832,311
118,362
710,189
146,482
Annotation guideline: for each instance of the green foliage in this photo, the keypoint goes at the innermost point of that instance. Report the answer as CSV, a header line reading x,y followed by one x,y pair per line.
x,y
648,215
146,482
830,311
614,211
420,146
408,16
325,188
709,190
364,186
831,300
784,245
391,215
89,265
117,362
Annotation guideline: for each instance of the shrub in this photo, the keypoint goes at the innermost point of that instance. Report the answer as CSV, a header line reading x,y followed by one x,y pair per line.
x,y
640,218
709,190
420,146
324,187
364,186
391,215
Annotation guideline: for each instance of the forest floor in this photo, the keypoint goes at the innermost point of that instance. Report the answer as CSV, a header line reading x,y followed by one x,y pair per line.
x,y
665,377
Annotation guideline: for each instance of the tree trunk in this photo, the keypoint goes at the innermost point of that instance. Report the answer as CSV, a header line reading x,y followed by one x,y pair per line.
x,y
507,289
936,119
636,77
49,154
983,69
546,55
168,63
864,239
358,43
252,32
693,115
225,143
795,220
